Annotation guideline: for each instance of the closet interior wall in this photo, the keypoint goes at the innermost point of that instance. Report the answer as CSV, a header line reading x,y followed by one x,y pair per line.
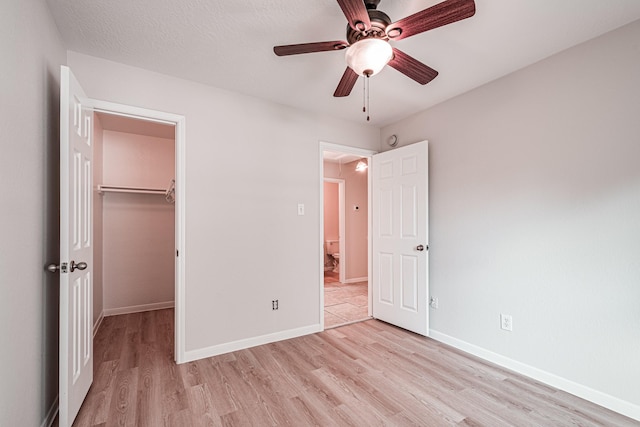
x,y
134,234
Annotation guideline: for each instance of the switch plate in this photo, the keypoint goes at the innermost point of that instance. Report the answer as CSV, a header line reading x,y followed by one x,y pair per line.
x,y
433,302
300,208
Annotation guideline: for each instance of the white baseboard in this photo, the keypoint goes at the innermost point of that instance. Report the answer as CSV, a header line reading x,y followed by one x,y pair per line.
x,y
249,342
356,280
51,415
610,402
138,308
96,325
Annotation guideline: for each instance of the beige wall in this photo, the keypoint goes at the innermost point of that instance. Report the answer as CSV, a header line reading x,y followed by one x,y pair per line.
x,y
356,221
139,229
31,53
534,212
331,215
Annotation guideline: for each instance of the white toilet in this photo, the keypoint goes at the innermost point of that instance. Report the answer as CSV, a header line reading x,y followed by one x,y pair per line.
x,y
332,248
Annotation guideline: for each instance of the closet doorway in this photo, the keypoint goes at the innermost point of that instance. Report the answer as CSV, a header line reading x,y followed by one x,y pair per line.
x,y
138,211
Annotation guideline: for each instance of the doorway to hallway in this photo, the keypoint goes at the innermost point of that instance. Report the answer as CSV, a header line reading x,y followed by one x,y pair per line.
x,y
345,286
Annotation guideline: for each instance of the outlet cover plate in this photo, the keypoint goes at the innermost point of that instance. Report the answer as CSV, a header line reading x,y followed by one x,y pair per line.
x,y
506,322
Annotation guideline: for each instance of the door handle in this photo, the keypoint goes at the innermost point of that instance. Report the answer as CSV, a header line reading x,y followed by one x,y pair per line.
x,y
78,266
53,268
420,248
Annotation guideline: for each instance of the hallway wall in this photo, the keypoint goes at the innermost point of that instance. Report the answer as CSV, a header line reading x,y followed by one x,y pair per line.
x,y
331,216
356,221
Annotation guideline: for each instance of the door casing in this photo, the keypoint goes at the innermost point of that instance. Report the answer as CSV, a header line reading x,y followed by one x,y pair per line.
x,y
327,146
368,154
178,121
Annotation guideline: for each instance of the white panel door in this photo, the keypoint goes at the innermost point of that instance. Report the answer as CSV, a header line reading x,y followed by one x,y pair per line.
x,y
400,237
76,248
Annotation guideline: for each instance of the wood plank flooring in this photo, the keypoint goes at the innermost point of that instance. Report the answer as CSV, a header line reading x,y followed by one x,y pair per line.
x,y
363,374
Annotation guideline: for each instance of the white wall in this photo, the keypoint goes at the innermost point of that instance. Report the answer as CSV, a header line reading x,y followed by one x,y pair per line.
x,y
238,149
139,229
31,54
535,212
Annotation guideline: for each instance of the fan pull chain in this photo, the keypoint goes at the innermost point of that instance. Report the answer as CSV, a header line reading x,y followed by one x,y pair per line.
x,y
368,92
365,95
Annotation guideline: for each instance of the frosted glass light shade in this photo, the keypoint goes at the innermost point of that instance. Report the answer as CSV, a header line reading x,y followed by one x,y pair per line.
x,y
361,166
368,56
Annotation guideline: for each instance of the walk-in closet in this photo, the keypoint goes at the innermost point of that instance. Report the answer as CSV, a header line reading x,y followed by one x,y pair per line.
x,y
134,215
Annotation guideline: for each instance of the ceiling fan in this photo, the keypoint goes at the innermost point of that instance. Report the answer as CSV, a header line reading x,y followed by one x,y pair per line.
x,y
368,33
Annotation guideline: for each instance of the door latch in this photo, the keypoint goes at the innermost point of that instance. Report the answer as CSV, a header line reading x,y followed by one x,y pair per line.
x,y
53,268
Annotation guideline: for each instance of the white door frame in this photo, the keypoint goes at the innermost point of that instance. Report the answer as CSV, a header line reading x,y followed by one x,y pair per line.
x,y
178,121
328,146
341,232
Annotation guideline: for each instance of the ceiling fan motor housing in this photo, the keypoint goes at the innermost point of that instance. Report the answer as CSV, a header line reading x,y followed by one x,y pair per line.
x,y
379,22
371,4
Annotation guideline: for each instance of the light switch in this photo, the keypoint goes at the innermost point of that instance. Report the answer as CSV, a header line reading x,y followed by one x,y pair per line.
x,y
300,208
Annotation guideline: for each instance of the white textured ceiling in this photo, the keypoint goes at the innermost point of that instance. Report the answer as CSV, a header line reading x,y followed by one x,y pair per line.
x,y
228,44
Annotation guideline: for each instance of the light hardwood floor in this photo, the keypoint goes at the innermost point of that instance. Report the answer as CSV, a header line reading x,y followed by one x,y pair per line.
x,y
363,374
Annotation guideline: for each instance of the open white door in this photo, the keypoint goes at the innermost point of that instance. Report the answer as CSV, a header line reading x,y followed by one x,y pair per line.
x,y
401,237
76,248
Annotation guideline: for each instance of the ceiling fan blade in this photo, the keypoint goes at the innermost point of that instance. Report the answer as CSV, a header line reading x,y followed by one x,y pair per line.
x,y
356,13
444,13
347,82
296,49
412,68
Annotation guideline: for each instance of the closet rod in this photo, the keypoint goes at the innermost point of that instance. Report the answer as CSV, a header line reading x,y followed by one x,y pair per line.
x,y
121,189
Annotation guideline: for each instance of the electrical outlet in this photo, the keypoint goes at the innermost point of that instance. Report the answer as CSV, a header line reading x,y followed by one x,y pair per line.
x,y
433,302
506,322
274,304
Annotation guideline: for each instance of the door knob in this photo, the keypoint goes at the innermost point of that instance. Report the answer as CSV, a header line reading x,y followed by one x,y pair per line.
x,y
78,266
420,248
53,268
